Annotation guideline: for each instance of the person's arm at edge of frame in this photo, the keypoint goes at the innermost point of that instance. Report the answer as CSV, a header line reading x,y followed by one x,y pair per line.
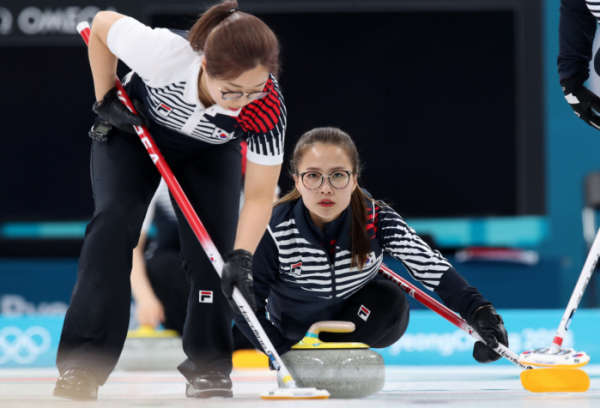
x,y
576,31
149,309
575,38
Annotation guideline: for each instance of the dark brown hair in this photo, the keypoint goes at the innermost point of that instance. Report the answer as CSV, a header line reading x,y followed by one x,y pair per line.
x,y
234,42
361,245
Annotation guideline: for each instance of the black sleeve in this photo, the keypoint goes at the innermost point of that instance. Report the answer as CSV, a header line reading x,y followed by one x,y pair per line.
x,y
265,267
426,265
458,295
575,38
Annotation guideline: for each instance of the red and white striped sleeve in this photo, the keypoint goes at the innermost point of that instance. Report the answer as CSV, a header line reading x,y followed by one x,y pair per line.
x,y
264,122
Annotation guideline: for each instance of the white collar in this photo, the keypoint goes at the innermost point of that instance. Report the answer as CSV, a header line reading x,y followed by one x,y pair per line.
x,y
190,93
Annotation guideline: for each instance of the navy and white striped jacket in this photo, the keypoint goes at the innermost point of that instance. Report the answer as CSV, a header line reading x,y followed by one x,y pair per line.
x,y
305,273
164,76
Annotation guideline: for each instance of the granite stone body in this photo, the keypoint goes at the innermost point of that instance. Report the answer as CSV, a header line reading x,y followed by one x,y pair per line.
x,y
345,373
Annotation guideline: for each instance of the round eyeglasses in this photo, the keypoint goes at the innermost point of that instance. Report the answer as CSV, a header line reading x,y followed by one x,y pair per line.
x,y
230,96
313,180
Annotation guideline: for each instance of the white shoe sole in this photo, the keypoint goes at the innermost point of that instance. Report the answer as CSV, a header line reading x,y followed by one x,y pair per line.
x,y
191,392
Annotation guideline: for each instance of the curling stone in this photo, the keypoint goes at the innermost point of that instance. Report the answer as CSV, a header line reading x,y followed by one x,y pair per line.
x,y
346,370
148,349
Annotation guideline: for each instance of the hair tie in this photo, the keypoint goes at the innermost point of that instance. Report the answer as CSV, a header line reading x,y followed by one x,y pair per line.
x,y
233,10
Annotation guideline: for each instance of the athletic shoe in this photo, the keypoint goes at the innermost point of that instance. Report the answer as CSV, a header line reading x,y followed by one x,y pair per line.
x,y
209,384
77,384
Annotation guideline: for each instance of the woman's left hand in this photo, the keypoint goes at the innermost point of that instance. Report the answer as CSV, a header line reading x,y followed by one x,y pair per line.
x,y
238,272
112,110
150,312
490,326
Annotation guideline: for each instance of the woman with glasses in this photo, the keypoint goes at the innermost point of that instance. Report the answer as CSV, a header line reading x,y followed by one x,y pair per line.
x,y
201,94
323,247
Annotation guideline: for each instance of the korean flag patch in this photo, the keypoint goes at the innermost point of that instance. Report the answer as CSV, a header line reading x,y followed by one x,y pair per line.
x,y
221,134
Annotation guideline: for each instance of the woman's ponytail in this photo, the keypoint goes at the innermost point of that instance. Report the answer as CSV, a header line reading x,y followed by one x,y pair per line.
x,y
208,21
234,42
361,243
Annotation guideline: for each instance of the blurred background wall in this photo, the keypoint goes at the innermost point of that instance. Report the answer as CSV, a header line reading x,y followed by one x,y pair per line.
x,y
454,104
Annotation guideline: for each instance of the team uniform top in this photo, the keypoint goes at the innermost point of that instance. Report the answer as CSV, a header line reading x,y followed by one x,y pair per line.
x,y
164,76
302,274
578,20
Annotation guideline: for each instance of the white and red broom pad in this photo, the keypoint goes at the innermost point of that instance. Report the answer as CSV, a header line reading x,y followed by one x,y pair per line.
x,y
564,358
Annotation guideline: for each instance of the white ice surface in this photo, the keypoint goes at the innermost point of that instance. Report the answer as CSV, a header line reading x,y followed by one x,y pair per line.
x,y
425,386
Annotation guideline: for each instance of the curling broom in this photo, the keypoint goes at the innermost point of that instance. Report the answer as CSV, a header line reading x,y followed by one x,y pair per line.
x,y
533,379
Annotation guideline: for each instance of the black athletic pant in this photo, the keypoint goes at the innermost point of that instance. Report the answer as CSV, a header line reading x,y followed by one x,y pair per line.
x,y
124,180
171,288
380,312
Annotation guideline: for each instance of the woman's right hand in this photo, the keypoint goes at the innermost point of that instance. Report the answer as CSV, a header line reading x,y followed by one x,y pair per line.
x,y
237,271
150,312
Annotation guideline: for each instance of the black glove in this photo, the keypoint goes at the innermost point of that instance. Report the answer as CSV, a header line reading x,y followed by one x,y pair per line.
x,y
584,102
490,327
112,110
238,271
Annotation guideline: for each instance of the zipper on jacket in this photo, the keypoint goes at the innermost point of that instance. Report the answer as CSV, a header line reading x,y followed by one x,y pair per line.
x,y
330,251
333,288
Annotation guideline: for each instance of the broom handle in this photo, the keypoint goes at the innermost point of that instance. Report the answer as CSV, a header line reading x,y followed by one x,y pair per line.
x,y
446,313
582,282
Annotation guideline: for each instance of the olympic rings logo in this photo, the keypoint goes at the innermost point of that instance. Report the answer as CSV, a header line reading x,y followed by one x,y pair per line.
x,y
23,347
